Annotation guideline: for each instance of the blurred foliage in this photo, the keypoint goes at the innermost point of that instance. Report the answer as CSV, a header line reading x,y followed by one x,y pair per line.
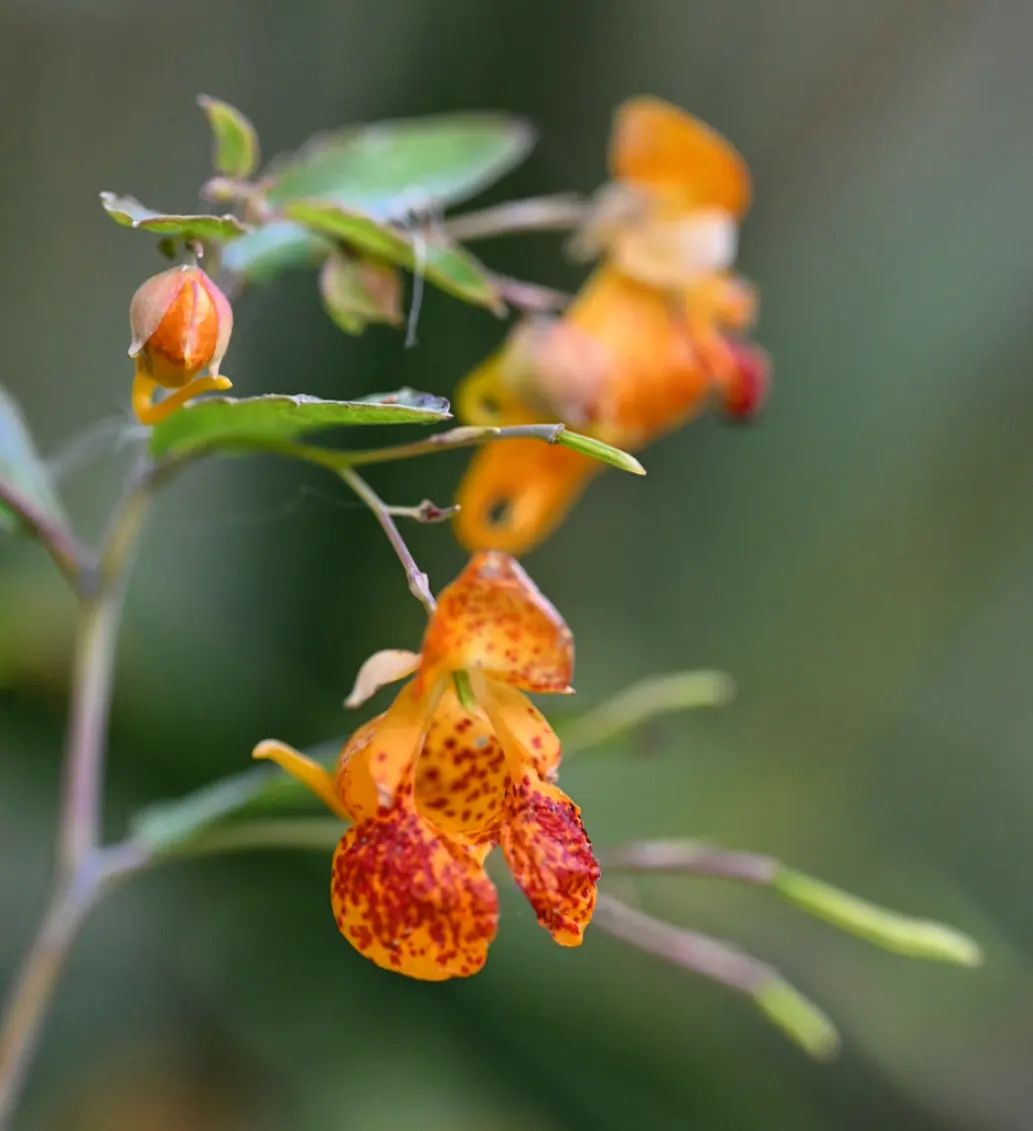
x,y
861,562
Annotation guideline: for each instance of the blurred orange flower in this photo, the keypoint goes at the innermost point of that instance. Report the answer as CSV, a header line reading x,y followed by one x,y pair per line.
x,y
434,783
651,337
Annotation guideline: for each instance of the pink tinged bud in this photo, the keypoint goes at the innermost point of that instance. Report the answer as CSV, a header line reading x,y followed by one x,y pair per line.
x,y
746,391
181,324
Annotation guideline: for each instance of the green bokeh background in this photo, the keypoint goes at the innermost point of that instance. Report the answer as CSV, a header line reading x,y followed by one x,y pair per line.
x,y
862,562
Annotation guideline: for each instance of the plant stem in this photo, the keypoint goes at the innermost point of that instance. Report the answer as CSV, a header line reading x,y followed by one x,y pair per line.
x,y
780,1002
83,868
561,211
59,542
414,576
100,613
32,991
691,858
454,438
902,934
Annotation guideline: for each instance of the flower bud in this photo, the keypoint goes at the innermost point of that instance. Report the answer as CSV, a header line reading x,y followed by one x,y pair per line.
x,y
181,324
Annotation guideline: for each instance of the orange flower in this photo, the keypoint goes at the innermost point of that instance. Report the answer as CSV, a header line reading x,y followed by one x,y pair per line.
x,y
651,336
181,324
434,783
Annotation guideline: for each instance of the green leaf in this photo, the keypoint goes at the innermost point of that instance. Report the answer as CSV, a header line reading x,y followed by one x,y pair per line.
x,y
356,292
235,150
386,171
444,264
222,423
259,791
278,246
638,704
130,213
21,466
596,449
389,168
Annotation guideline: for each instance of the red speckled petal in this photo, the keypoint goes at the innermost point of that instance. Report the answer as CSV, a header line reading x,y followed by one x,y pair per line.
x,y
461,773
493,618
551,857
411,900
390,748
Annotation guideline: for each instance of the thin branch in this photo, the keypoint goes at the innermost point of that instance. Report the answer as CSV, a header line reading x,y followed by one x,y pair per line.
x,y
425,513
902,934
722,963
84,868
560,212
699,953
100,613
451,440
417,580
691,858
335,459
33,988
532,298
60,543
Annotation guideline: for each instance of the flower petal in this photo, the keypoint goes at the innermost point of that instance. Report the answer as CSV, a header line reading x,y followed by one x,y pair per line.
x,y
381,668
522,729
660,146
515,493
658,380
461,774
413,901
304,769
494,619
551,857
485,398
354,781
391,747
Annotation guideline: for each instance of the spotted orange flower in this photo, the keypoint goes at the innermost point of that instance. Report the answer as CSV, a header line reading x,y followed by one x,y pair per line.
x,y
436,782
181,324
652,336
